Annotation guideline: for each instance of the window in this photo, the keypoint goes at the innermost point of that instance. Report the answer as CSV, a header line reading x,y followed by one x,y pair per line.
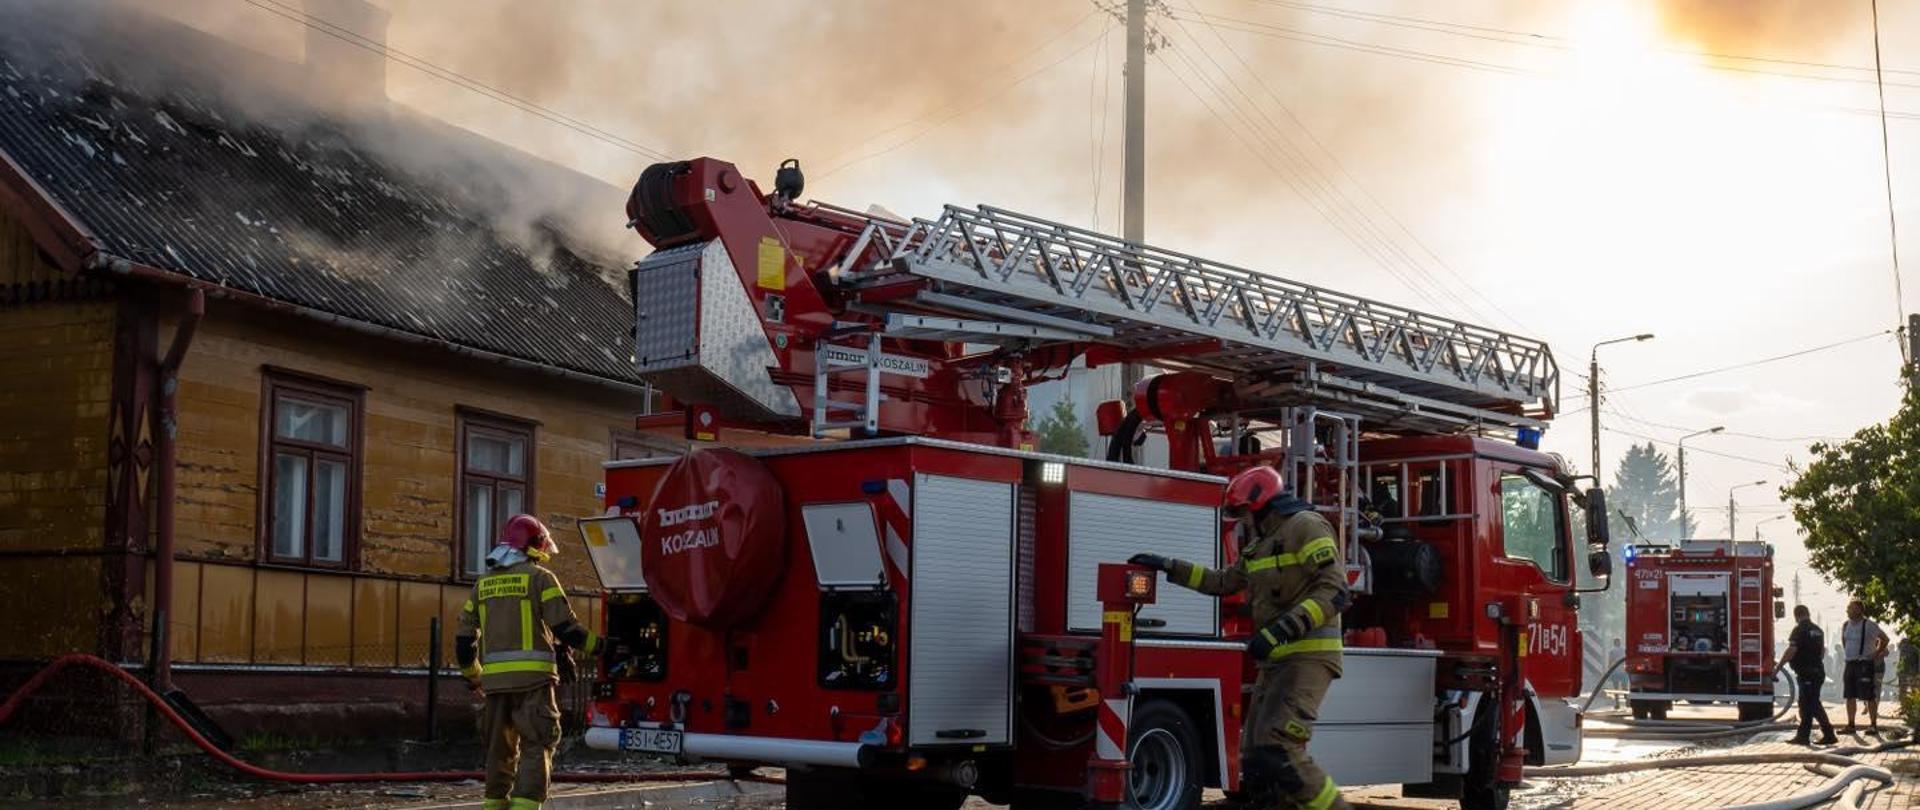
x,y
1530,526
496,481
310,460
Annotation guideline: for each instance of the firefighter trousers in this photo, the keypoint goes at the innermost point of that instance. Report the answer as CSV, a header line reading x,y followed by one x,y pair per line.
x,y
1277,773
521,730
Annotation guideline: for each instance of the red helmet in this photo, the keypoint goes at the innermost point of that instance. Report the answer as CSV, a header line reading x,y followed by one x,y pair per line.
x,y
527,533
1250,490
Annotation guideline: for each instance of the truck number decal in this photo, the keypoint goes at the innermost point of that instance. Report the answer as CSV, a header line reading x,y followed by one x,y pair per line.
x,y
1547,639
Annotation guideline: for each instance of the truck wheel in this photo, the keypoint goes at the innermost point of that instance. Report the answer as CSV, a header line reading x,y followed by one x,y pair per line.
x,y
1480,787
1752,712
1163,749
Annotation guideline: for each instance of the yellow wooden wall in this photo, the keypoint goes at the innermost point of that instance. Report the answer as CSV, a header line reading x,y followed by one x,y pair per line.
x,y
235,613
56,380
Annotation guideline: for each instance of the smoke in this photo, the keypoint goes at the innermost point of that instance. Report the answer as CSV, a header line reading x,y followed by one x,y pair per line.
x,y
1763,27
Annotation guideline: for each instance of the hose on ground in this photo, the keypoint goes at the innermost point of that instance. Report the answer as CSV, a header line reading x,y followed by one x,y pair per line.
x,y
1844,776
1684,728
166,710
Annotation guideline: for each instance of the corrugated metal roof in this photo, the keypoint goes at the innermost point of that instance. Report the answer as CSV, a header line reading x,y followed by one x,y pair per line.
x,y
300,215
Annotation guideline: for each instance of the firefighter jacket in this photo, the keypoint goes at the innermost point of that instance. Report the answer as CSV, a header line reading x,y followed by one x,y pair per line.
x,y
1291,567
511,627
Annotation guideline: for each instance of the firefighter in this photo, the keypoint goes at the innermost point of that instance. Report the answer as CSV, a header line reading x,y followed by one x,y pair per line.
x,y
513,648
1292,570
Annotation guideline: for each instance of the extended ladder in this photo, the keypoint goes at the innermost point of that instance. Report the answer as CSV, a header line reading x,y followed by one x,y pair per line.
x,y
1250,325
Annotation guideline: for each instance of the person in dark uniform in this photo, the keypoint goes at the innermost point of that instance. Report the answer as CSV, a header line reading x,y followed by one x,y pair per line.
x,y
1806,647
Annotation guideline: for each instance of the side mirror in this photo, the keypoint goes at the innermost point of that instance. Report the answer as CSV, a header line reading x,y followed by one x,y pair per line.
x,y
1600,562
1598,533
1779,610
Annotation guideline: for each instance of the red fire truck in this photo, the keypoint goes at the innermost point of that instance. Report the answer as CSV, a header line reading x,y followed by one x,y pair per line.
x,y
1700,626
896,598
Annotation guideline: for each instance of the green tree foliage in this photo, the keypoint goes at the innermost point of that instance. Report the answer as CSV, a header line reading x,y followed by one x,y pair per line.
x,y
1647,490
1859,503
1060,431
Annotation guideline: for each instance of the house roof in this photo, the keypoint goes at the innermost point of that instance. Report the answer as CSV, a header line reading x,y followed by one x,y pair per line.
x,y
293,208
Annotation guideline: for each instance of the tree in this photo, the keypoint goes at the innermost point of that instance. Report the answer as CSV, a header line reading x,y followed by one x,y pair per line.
x,y
1859,503
1646,491
1060,431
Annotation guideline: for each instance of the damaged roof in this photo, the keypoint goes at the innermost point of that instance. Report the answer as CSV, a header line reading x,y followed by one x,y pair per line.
x,y
302,214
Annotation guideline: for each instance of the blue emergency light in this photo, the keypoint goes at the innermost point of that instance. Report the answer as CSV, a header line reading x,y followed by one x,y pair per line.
x,y
1528,437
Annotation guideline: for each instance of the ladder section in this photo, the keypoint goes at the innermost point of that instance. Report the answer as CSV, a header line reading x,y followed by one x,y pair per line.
x,y
1248,324
1751,615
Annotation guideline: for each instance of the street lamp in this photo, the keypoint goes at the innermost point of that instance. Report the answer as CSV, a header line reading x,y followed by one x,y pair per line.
x,y
1756,526
1683,473
1593,392
1732,535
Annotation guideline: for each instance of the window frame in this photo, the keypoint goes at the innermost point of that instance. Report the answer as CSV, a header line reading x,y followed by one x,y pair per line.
x,y
1562,538
466,421
276,382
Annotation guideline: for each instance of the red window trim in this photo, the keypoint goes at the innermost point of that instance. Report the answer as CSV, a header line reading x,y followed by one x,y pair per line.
x,y
274,382
466,419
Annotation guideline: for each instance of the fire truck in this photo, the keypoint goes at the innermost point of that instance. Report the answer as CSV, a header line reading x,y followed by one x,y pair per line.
x,y
1700,620
873,579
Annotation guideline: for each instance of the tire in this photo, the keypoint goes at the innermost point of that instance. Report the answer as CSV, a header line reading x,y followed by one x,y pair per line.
x,y
1659,709
1168,766
1754,712
1480,787
845,790
1650,709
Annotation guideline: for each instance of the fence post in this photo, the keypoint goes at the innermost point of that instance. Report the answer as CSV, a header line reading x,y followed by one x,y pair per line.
x,y
433,676
156,641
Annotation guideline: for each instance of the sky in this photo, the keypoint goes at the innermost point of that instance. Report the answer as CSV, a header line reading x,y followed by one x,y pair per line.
x,y
1709,171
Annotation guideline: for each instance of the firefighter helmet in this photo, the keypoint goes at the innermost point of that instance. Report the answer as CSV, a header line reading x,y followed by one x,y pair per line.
x,y
1251,490
527,533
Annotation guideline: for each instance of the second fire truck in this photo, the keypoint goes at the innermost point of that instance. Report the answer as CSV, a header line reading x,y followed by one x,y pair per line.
x,y
888,591
1700,620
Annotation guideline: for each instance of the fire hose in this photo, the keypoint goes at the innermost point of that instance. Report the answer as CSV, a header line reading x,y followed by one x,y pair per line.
x,y
1691,729
166,710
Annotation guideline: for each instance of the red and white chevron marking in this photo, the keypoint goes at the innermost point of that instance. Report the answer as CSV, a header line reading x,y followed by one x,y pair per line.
x,y
1110,738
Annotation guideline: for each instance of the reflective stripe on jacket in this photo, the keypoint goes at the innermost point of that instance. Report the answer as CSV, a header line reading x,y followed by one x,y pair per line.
x,y
518,612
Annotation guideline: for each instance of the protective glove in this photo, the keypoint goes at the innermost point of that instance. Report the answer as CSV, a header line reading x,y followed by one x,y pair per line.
x,y
564,666
1152,561
1284,630
471,673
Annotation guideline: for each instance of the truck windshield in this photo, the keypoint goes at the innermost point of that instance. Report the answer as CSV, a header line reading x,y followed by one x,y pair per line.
x,y
1530,525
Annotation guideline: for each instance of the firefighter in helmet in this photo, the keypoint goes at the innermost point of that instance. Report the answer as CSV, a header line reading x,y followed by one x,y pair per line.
x,y
513,648
1291,569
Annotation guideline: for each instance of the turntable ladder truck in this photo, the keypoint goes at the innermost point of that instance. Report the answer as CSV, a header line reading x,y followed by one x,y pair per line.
x,y
881,586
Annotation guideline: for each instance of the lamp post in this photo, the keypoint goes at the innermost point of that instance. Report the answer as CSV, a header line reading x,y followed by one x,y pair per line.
x,y
1732,534
1756,526
1683,474
1593,393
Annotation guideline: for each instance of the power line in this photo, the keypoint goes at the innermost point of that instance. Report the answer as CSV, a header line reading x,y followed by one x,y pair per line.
x,y
1752,363
1539,40
1298,181
1283,32
1340,166
960,110
1886,167
1776,465
1662,425
1297,158
455,78
1103,67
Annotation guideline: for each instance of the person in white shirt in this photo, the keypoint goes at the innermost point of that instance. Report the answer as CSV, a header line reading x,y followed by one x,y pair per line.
x,y
1865,646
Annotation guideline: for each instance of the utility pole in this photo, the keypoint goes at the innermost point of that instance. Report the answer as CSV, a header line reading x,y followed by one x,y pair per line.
x,y
1133,188
1732,536
1594,398
1684,530
1913,349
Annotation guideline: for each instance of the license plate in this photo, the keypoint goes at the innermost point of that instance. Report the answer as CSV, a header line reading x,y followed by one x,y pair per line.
x,y
650,740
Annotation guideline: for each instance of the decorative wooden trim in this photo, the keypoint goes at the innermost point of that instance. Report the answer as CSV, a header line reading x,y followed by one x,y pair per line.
x,y
130,454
